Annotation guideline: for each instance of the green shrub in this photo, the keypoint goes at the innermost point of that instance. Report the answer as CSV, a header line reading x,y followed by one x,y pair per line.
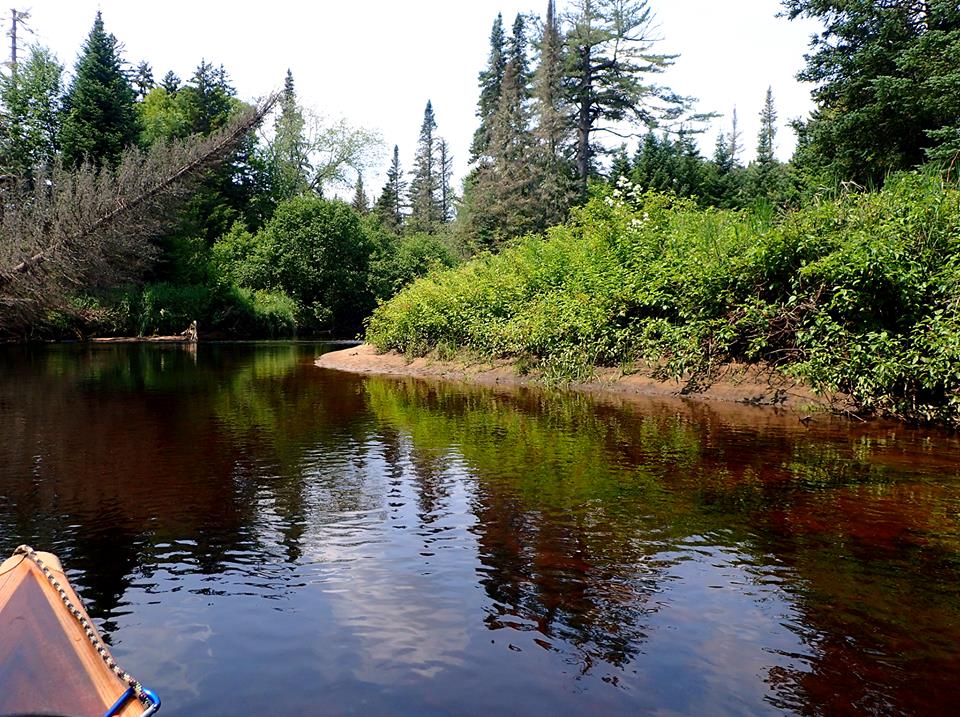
x,y
860,294
314,251
398,260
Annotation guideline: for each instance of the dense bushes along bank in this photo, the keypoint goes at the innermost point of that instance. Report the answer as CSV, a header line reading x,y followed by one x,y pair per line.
x,y
317,267
860,294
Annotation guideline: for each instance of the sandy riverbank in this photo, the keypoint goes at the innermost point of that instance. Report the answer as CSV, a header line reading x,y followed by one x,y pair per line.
x,y
735,383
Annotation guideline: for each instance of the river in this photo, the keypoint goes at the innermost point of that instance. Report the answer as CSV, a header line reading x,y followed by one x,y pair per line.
x,y
256,535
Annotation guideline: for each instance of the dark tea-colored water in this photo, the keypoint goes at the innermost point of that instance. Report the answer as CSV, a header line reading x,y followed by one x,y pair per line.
x,y
259,536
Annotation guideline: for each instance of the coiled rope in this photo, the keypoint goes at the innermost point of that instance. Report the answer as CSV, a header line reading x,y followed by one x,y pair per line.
x,y
88,628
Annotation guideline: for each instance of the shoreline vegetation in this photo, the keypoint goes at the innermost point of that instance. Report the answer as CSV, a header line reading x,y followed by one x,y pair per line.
x,y
132,206
857,296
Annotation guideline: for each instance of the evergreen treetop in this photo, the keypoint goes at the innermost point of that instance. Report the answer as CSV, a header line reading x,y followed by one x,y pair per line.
x,y
360,202
490,80
886,87
768,130
425,210
389,207
100,119
170,82
143,80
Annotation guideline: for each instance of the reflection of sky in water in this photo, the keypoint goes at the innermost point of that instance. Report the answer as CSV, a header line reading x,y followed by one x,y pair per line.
x,y
376,600
281,538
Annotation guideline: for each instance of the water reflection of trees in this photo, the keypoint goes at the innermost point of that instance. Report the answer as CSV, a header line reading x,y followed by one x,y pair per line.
x,y
128,460
574,503
548,481
117,457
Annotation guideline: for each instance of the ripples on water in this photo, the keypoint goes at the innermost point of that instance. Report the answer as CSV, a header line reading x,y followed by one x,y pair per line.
x,y
256,535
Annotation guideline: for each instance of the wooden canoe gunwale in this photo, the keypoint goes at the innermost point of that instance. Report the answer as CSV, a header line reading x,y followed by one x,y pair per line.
x,y
48,665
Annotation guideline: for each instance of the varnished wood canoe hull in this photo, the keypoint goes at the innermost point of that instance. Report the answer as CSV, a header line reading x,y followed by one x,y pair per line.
x,y
47,664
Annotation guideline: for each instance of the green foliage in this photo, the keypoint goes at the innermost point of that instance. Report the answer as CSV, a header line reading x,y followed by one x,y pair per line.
x,y
401,259
31,102
857,295
220,310
162,116
99,115
887,87
315,251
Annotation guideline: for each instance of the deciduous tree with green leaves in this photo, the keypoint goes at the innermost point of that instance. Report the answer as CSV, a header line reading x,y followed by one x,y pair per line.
x,y
30,98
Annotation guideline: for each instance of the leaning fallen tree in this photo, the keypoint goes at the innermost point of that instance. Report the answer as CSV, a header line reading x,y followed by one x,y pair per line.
x,y
63,231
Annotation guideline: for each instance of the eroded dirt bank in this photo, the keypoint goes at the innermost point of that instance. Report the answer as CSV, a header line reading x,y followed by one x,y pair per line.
x,y
735,383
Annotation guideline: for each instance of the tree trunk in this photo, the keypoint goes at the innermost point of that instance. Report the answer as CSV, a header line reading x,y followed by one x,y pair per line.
x,y
583,119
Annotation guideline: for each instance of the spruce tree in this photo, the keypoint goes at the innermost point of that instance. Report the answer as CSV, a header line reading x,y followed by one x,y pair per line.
x,y
722,158
389,207
288,165
170,82
490,80
620,166
768,131
143,80
886,87
208,98
359,202
517,52
100,119
765,172
425,183
501,201
445,165
553,128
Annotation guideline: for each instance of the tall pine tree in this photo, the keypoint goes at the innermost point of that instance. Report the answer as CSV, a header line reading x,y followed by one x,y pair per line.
x,y
500,201
611,57
553,129
288,164
490,80
425,210
100,119
389,207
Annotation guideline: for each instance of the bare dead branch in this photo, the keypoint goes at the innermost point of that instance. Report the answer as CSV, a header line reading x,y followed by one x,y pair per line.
x,y
65,230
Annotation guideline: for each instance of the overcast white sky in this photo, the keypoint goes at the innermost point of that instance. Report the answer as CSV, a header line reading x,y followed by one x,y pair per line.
x,y
376,62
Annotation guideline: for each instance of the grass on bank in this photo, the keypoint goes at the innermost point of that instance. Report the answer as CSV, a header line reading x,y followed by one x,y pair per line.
x,y
860,294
